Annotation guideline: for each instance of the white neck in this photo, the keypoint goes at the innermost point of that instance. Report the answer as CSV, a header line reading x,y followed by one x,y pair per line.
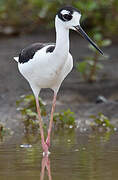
x,y
62,39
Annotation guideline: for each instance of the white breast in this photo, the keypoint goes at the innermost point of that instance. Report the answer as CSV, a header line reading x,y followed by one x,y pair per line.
x,y
46,70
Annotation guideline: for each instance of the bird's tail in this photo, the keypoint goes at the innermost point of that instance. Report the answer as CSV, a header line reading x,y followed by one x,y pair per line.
x,y
16,59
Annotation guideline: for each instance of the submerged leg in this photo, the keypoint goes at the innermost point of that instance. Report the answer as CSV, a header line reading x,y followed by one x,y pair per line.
x,y
45,164
44,145
51,120
48,168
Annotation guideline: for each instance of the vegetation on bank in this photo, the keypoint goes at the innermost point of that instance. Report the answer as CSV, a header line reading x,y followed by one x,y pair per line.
x,y
4,131
26,15
65,119
89,67
26,105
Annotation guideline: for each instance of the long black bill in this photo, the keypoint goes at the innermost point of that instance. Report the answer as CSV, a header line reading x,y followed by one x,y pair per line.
x,y
81,31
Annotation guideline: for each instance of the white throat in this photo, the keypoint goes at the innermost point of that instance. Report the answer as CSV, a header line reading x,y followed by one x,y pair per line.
x,y
62,38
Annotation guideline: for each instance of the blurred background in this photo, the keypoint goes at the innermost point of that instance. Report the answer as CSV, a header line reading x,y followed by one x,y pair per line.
x,y
85,134
94,77
21,16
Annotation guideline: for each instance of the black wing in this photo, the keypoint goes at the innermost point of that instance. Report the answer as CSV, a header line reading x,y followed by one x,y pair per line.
x,y
28,52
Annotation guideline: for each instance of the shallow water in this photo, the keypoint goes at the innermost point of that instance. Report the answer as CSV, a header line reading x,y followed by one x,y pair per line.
x,y
74,156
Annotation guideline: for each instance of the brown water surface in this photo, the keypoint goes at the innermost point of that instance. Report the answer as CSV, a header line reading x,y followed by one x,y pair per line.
x,y
73,156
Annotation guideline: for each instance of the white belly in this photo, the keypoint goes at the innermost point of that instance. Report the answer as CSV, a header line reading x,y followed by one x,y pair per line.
x,y
46,72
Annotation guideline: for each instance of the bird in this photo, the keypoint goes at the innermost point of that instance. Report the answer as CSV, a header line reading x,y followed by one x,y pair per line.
x,y
45,65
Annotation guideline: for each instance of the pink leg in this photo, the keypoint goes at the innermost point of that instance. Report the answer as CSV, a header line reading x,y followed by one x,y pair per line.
x,y
45,164
51,120
44,145
48,169
43,168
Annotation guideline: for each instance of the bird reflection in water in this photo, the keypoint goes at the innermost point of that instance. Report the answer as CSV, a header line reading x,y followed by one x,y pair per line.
x,y
45,165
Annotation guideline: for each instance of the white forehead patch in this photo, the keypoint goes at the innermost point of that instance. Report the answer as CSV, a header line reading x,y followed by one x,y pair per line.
x,y
64,12
76,17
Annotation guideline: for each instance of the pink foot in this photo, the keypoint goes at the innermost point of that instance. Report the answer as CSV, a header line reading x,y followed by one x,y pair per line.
x,y
45,149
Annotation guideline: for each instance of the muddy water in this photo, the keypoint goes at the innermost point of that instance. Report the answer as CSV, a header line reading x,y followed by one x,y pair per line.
x,y
74,156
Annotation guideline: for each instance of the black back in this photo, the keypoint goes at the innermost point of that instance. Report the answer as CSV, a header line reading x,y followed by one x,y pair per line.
x,y
50,49
28,52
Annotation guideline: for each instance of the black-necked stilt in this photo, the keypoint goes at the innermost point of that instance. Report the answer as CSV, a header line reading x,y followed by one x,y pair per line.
x,y
46,65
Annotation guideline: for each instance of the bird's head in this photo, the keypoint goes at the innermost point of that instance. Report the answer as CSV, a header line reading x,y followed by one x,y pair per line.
x,y
69,17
